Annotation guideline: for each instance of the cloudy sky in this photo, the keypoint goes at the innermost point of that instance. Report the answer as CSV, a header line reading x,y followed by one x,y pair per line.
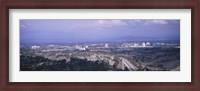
x,y
97,30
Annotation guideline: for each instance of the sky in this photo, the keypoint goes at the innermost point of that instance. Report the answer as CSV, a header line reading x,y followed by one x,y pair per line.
x,y
45,31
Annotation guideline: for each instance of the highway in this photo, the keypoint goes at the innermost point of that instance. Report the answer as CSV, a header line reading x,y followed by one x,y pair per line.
x,y
128,64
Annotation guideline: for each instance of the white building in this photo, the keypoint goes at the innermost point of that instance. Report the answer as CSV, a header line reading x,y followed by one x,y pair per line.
x,y
135,44
143,44
86,46
162,43
106,45
148,44
80,48
35,47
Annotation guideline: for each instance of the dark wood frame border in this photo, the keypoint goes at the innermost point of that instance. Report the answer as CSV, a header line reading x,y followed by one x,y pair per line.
x,y
154,86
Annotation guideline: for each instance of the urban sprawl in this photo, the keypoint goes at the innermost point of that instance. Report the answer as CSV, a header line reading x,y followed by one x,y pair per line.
x,y
101,56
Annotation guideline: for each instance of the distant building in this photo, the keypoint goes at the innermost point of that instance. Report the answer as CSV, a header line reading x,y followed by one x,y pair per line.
x,y
148,44
143,44
157,43
35,47
80,48
135,44
162,43
106,45
86,46
76,46
177,47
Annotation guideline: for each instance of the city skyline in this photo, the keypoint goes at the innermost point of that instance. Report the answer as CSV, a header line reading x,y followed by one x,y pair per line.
x,y
64,31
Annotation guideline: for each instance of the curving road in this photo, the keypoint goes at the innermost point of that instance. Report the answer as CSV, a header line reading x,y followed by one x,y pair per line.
x,y
128,64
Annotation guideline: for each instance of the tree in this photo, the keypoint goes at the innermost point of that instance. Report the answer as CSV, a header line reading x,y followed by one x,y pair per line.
x,y
116,59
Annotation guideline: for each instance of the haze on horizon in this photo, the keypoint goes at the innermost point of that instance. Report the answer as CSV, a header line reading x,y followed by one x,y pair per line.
x,y
64,31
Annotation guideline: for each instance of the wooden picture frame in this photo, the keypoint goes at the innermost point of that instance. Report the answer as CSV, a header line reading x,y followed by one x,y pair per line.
x,y
118,4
